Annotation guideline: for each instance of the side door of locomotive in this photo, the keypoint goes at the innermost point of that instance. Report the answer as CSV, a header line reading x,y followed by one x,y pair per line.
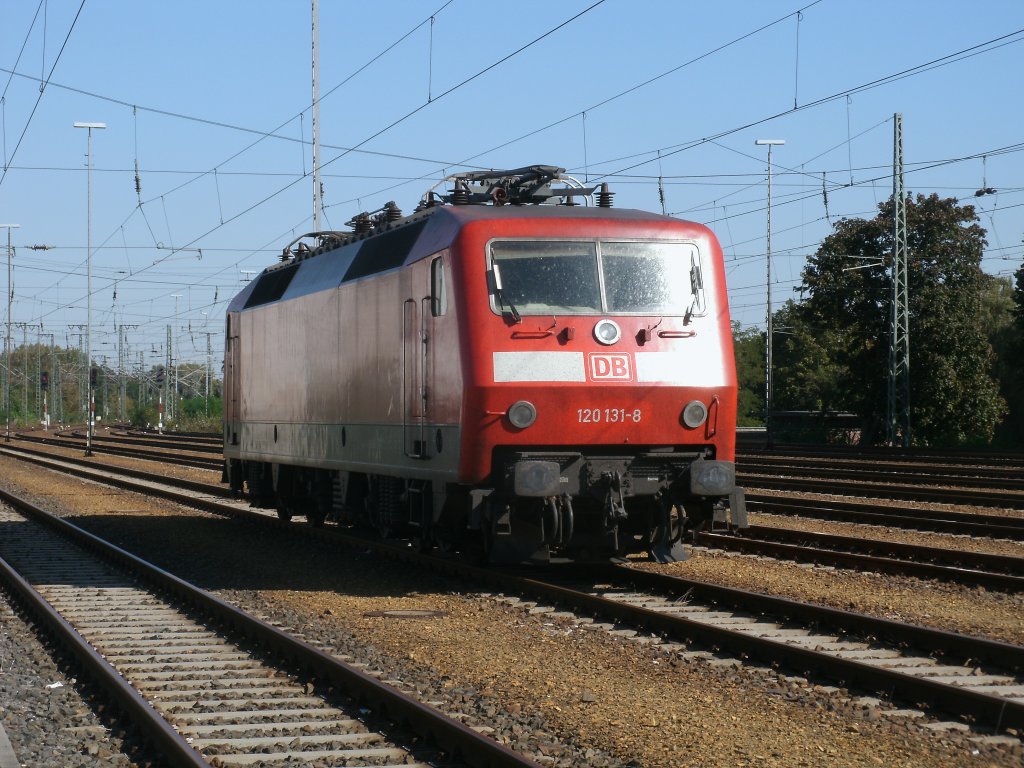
x,y
413,406
428,300
232,376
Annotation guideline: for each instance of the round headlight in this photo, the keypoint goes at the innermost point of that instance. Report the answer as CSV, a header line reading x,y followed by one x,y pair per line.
x,y
694,414
607,331
522,414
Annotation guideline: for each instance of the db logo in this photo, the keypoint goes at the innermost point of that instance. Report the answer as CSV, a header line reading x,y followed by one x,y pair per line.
x,y
610,367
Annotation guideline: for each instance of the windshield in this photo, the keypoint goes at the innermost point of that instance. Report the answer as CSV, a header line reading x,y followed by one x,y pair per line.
x,y
561,277
548,278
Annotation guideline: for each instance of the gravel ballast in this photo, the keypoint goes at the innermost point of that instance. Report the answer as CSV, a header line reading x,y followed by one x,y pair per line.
x,y
573,695
42,710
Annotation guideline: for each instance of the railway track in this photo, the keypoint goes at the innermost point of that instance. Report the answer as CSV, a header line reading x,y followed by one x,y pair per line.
x,y
849,511
752,445
204,437
168,440
1006,479
969,568
942,521
887,490
973,678
167,456
204,681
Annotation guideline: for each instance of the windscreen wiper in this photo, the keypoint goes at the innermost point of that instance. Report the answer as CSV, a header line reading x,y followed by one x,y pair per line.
x,y
500,295
511,311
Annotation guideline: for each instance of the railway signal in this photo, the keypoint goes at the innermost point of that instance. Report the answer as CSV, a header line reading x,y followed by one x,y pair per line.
x,y
44,384
160,406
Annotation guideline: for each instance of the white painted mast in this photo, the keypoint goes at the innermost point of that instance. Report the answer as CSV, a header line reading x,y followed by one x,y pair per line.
x,y
316,116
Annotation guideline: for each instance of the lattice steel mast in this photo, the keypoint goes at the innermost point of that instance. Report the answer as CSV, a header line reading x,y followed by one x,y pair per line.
x,y
898,413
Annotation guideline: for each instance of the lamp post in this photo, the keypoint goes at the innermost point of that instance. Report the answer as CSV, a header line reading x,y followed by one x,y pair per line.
x,y
769,438
88,272
7,346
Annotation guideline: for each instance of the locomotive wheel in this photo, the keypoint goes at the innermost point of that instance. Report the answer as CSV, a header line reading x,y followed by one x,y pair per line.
x,y
480,544
697,518
321,500
445,544
424,542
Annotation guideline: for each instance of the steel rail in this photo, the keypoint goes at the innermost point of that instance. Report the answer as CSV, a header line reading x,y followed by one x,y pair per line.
x,y
185,461
895,476
881,466
968,523
176,444
884,490
205,436
959,558
744,443
810,554
969,575
155,728
448,734
1006,655
998,712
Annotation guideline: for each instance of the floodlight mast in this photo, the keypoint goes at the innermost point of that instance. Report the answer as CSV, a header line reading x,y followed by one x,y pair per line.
x,y
88,271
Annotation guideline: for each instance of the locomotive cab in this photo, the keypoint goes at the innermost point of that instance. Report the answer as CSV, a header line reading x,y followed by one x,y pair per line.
x,y
607,410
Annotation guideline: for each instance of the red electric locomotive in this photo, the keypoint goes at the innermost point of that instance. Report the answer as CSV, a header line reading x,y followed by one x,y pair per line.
x,y
505,370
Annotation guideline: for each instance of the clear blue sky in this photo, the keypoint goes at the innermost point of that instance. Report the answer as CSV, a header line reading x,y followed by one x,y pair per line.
x,y
189,88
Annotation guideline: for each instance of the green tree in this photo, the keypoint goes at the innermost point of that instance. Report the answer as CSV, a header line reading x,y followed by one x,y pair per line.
x,y
749,349
806,376
1018,324
954,398
1008,342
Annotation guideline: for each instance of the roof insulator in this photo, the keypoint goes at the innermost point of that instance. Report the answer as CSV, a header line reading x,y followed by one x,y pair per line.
x,y
460,195
363,223
604,197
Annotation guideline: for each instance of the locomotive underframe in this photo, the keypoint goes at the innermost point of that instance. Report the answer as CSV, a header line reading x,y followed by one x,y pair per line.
x,y
540,506
589,503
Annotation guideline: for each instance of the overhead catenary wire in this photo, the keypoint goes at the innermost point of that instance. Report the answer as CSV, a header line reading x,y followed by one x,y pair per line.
x,y
42,88
140,208
666,180
1011,38
383,130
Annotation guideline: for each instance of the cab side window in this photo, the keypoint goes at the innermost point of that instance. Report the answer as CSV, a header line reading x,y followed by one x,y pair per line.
x,y
438,288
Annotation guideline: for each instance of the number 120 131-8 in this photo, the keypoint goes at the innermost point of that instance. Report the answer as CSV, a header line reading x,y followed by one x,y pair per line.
x,y
608,415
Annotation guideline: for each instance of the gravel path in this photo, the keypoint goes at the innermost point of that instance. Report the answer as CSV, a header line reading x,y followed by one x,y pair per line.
x,y
545,683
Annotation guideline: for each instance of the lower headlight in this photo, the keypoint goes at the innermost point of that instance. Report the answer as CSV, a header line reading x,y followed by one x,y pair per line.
x,y
694,414
522,414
